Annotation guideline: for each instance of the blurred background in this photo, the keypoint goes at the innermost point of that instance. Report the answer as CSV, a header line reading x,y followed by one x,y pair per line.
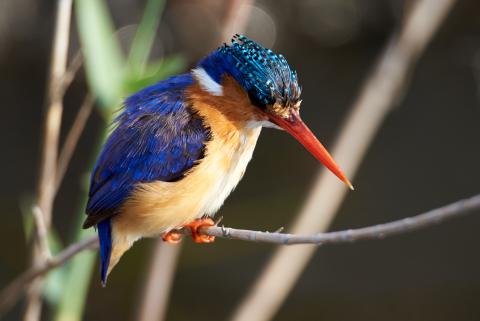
x,y
425,155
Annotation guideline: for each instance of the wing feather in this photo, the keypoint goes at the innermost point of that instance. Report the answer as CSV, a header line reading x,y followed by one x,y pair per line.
x,y
157,137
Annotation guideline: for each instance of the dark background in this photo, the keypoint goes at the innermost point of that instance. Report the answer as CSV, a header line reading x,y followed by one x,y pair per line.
x,y
425,155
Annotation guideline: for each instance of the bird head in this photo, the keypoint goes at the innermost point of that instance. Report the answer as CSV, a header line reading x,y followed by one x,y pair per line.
x,y
272,87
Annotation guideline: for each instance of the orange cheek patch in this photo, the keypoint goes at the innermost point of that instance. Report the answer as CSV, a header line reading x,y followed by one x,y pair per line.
x,y
230,111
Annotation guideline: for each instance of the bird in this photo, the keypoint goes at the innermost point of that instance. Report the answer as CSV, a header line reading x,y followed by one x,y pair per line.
x,y
179,147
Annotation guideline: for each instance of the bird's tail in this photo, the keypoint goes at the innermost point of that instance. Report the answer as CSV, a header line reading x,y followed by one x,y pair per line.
x,y
105,240
113,244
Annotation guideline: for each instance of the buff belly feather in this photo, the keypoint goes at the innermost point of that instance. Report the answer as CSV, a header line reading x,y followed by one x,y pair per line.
x,y
158,207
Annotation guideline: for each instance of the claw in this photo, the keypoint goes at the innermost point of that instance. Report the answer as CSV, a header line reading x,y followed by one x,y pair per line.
x,y
196,225
172,237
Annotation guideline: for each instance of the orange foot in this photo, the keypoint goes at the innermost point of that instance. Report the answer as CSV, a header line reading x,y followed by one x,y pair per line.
x,y
172,237
196,225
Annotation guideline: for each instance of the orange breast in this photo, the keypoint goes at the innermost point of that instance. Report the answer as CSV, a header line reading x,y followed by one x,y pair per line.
x,y
158,207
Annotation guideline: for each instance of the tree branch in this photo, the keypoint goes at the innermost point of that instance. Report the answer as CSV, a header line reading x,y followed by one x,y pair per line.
x,y
10,294
70,73
73,136
41,232
53,117
373,232
156,294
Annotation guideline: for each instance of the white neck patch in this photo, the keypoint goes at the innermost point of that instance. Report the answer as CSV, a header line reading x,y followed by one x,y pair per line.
x,y
262,123
206,82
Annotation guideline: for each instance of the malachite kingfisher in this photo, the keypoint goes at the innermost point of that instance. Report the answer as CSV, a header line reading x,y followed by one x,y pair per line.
x,y
181,146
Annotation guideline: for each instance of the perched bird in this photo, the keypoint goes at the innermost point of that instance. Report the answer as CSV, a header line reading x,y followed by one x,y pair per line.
x,y
181,146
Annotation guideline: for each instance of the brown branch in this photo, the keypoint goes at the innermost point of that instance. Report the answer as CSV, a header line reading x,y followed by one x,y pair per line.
x,y
156,293
10,294
70,73
73,136
381,90
48,163
373,232
41,232
54,110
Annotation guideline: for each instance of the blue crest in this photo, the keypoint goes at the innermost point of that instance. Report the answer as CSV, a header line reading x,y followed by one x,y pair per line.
x,y
266,76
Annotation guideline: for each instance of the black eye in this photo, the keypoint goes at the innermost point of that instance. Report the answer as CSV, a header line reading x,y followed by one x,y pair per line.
x,y
255,101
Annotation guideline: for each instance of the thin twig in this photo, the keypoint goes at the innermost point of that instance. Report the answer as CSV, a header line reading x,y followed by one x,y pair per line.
x,y
54,109
10,294
48,163
71,72
373,232
42,233
154,301
381,91
73,136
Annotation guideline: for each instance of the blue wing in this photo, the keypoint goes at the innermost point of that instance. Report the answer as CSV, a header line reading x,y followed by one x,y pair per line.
x,y
157,137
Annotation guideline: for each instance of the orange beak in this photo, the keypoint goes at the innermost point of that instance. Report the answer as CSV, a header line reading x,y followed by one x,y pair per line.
x,y
297,128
